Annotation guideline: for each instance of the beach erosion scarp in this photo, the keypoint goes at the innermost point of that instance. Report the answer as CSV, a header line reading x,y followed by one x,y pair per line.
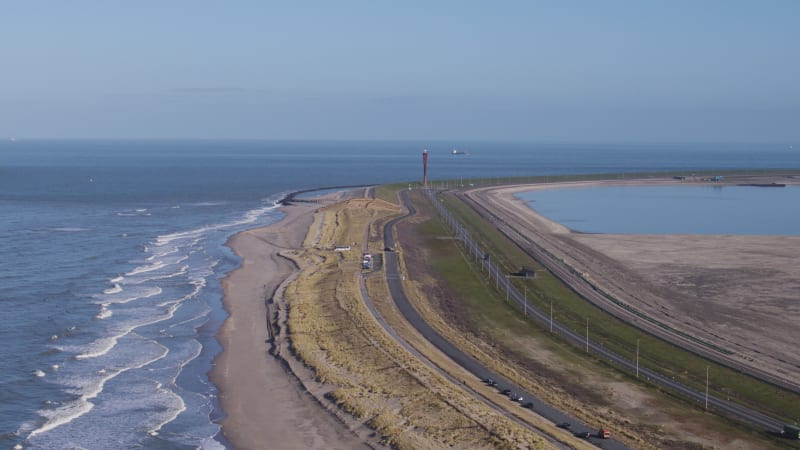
x,y
319,392
262,401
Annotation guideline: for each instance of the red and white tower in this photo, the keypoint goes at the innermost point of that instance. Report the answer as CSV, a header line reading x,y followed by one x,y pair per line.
x,y
425,169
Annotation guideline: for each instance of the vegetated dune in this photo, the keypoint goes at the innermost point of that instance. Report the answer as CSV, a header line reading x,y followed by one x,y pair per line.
x,y
372,376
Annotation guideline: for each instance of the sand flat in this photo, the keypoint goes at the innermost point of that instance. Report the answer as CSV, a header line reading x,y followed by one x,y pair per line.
x,y
740,292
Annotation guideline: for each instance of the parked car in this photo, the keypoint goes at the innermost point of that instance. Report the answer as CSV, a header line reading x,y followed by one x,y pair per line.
x,y
506,392
564,425
490,382
528,405
583,435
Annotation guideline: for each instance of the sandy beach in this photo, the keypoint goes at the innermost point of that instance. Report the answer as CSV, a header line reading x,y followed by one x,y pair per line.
x,y
266,406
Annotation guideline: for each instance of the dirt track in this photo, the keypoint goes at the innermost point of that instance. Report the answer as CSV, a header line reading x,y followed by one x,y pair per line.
x,y
738,292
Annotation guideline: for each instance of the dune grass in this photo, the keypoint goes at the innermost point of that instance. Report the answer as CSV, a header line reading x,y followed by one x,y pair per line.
x,y
388,192
372,376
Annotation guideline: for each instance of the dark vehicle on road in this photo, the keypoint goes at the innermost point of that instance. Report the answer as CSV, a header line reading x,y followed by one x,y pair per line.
x,y
583,435
528,405
791,432
564,425
506,392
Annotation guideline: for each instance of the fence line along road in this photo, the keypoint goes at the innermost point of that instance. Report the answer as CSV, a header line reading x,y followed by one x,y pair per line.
x,y
469,363
503,284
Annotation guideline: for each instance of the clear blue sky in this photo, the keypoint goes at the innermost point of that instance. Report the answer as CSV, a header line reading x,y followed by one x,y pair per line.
x,y
529,70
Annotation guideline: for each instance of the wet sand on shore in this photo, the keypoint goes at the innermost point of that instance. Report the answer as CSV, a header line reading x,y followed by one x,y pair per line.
x,y
266,406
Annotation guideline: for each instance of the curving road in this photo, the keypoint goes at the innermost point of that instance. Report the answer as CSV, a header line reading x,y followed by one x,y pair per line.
x,y
394,283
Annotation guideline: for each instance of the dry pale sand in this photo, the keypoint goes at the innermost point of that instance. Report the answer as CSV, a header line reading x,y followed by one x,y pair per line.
x,y
266,405
739,292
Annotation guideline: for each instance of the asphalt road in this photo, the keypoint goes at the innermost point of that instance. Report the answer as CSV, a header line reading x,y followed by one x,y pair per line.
x,y
728,408
394,282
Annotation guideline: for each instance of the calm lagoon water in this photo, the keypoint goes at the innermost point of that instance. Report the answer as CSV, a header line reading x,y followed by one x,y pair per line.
x,y
742,210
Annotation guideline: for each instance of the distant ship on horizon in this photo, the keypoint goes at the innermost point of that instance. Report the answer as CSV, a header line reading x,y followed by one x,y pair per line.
x,y
459,152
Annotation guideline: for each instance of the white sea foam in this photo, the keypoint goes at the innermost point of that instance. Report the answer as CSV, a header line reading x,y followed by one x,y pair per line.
x,y
144,293
182,271
168,251
62,415
154,269
167,238
145,269
70,229
200,315
208,203
104,313
174,413
75,409
113,290
196,350
248,217
134,212
38,373
101,346
199,284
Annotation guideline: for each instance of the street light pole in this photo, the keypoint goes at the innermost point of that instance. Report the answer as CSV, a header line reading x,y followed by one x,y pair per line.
x,y
526,301
587,335
706,387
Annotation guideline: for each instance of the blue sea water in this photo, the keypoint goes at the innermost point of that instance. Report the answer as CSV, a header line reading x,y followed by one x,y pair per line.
x,y
112,253
681,209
